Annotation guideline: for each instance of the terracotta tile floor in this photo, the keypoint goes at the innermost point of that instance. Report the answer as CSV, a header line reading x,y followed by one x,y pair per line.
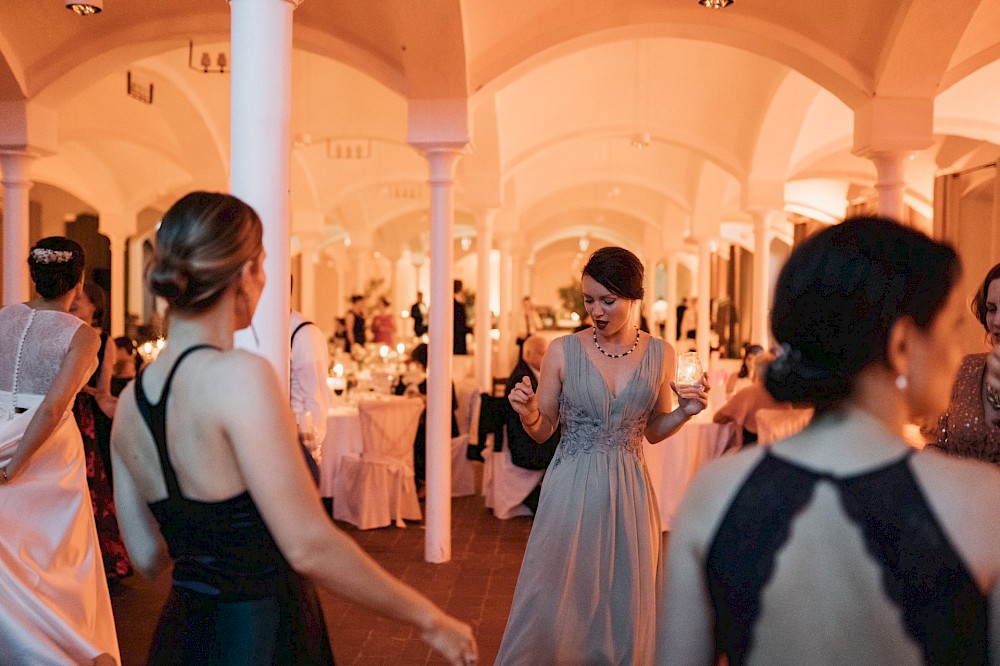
x,y
477,585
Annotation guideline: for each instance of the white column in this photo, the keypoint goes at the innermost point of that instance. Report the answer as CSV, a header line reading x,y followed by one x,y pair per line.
x,y
261,86
437,547
360,253
891,184
704,327
484,323
761,319
506,305
117,298
673,297
649,287
16,184
307,279
135,276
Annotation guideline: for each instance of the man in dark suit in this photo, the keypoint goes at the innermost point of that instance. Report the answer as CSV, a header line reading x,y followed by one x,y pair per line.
x,y
461,325
418,312
524,451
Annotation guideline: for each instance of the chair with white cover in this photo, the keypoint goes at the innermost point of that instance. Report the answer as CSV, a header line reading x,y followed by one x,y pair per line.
x,y
775,424
377,486
463,480
505,485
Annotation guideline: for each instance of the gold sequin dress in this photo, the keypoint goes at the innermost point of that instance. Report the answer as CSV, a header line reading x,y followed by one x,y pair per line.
x,y
964,430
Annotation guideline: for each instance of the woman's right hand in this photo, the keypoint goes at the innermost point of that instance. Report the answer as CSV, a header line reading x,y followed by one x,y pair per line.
x,y
523,399
453,639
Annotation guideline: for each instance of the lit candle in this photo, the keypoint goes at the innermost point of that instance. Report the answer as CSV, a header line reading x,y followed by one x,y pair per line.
x,y
400,348
383,351
338,370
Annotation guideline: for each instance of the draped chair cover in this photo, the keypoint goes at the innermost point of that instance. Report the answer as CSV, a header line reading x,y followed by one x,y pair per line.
x,y
377,487
505,485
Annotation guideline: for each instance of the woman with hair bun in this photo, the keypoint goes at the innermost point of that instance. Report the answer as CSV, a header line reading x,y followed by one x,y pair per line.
x,y
842,544
208,472
56,608
589,581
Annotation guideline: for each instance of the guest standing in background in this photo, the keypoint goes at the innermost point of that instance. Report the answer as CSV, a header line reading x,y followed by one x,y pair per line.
x,y
589,582
93,409
532,325
354,323
970,427
842,544
309,364
127,363
209,473
418,312
56,608
681,309
461,327
383,323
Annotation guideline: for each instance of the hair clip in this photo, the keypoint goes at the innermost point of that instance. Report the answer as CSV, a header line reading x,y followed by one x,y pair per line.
x,y
43,255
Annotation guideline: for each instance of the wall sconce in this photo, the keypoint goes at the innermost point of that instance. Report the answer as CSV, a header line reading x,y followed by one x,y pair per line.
x,y
85,7
205,63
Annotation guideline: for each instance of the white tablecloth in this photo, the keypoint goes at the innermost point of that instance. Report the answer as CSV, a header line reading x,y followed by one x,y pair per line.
x,y
673,462
343,436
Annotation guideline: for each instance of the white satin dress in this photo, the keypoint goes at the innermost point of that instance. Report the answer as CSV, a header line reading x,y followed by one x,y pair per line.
x,y
55,605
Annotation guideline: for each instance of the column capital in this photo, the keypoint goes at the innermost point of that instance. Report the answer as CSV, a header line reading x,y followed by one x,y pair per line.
x,y
15,165
893,123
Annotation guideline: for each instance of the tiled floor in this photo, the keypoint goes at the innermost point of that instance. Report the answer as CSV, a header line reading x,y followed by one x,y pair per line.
x,y
477,585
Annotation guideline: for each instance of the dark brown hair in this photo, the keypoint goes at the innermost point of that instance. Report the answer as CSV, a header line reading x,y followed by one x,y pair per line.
x,y
617,270
54,277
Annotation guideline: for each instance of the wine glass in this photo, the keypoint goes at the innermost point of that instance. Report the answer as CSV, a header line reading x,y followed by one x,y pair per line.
x,y
307,434
689,371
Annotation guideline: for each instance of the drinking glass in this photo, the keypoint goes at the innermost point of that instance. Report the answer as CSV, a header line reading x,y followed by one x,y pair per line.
x,y
307,434
689,370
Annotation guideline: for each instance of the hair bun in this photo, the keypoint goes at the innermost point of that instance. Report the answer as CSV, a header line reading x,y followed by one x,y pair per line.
x,y
790,378
168,282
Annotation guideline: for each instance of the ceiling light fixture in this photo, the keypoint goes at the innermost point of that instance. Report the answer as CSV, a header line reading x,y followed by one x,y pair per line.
x,y
85,8
715,4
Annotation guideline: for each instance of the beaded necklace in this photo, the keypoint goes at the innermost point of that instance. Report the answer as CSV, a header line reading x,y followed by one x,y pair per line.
x,y
601,349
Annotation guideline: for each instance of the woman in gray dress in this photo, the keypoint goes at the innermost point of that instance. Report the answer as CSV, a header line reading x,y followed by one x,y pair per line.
x,y
589,581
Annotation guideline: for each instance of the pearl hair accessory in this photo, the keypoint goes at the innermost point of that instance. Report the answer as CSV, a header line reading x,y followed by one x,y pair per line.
x,y
43,255
901,382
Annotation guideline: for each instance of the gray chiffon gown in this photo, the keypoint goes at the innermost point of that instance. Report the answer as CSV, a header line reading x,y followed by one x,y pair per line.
x,y
590,576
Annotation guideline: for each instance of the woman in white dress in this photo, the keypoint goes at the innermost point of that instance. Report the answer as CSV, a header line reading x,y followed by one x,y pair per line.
x,y
56,608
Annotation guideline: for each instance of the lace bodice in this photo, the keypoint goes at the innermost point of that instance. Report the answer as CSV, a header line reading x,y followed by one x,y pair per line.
x,y
42,346
594,420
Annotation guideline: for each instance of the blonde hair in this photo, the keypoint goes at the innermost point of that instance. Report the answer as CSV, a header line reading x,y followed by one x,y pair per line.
x,y
201,245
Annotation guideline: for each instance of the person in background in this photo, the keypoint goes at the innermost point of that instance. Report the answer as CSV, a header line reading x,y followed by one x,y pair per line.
x,y
969,428
209,479
532,325
742,408
354,323
418,312
589,581
383,323
746,376
127,363
419,356
842,544
338,339
56,608
93,409
681,309
524,451
460,322
308,392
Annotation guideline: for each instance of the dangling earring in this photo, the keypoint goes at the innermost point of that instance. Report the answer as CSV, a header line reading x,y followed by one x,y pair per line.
x,y
901,382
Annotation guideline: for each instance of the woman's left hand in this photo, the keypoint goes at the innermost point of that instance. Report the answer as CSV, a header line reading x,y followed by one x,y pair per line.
x,y
692,399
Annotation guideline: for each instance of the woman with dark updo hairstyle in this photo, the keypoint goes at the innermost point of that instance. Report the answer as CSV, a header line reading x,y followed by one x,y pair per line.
x,y
209,474
842,544
590,578
56,607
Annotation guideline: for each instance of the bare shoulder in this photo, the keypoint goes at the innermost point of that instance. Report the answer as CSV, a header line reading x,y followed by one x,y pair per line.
x,y
86,337
711,492
976,481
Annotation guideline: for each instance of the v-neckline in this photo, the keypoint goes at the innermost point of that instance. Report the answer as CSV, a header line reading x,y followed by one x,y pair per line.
x,y
631,376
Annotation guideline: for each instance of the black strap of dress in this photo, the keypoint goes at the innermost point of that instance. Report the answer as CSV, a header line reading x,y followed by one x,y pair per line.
x,y
155,417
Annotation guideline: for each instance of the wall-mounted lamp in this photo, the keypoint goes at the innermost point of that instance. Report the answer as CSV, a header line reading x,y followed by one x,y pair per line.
x,y
85,7
205,62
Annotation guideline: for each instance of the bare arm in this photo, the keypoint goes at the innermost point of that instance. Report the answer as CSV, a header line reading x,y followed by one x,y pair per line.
x,y
76,367
540,412
140,531
262,432
664,421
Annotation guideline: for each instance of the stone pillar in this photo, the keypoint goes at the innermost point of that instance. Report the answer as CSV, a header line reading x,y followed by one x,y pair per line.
x,y
260,144
135,276
704,327
761,316
649,287
443,160
673,297
890,165
484,319
307,278
116,300
15,165
504,324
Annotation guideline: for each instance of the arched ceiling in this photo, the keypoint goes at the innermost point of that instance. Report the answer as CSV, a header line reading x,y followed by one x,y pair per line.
x,y
644,119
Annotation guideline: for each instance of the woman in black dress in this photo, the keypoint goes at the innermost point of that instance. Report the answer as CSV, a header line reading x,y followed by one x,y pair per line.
x,y
208,472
